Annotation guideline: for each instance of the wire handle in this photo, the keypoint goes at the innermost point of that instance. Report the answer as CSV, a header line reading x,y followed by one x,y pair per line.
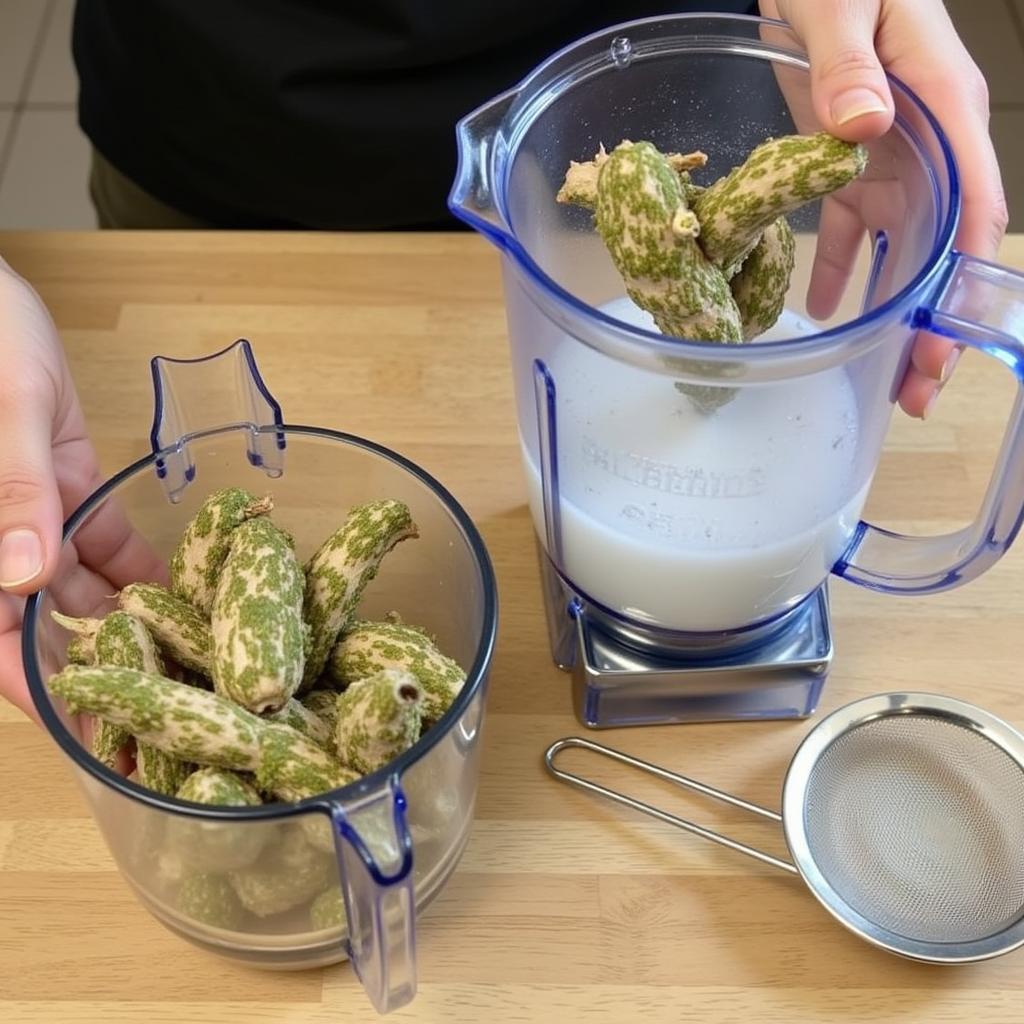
x,y
680,780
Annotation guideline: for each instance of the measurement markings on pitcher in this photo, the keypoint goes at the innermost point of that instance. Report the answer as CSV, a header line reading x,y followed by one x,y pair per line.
x,y
668,478
687,529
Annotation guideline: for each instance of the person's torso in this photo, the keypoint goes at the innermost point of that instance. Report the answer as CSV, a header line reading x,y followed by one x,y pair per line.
x,y
311,113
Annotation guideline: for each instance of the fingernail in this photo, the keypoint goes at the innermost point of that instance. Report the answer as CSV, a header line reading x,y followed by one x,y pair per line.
x,y
949,364
21,558
854,103
930,405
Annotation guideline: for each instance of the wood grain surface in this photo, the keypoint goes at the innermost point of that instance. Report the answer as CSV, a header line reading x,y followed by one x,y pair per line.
x,y
563,908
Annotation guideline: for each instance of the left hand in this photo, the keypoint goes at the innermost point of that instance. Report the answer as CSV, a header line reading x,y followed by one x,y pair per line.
x,y
47,468
851,44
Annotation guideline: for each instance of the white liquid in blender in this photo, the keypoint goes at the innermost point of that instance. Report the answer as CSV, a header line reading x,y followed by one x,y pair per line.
x,y
697,522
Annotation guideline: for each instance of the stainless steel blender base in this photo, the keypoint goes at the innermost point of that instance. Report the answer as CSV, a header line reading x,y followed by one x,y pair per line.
x,y
624,676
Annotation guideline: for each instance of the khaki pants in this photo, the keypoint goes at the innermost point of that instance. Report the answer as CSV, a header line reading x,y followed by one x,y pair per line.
x,y
120,203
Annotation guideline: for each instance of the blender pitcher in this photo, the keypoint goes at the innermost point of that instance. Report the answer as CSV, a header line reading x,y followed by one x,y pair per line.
x,y
685,555
251,883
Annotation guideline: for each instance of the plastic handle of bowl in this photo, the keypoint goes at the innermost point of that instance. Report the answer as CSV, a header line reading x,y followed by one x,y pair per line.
x,y
192,397
482,152
375,861
981,305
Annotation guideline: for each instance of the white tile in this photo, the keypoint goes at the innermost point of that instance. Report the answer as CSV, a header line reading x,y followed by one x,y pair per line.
x,y
46,181
20,21
987,29
54,79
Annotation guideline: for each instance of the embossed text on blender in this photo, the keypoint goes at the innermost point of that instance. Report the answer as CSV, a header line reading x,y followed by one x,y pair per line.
x,y
689,481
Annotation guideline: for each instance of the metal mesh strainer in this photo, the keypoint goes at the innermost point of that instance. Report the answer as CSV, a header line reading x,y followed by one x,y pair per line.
x,y
904,813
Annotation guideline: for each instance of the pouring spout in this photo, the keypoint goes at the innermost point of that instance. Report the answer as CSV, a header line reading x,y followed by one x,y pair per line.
x,y
482,150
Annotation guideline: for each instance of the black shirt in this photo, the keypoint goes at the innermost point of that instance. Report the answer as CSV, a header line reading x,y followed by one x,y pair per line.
x,y
311,113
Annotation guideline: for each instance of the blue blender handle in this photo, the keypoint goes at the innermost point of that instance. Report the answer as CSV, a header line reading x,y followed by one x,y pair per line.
x,y
375,861
225,393
981,305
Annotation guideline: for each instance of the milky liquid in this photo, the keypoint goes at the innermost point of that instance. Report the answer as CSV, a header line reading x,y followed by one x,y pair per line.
x,y
697,522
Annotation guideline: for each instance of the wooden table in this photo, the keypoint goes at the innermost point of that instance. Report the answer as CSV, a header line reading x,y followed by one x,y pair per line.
x,y
563,909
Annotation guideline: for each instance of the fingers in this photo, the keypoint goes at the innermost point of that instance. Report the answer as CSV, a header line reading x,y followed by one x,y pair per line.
x,y
985,215
848,87
964,115
918,393
107,542
12,678
30,508
77,589
957,95
934,357
840,234
30,384
111,546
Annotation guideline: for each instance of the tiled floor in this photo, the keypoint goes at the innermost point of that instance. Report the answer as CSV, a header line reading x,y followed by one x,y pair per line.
x,y
44,157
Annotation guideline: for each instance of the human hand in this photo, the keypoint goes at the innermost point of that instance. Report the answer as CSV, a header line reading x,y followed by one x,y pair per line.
x,y
47,468
850,42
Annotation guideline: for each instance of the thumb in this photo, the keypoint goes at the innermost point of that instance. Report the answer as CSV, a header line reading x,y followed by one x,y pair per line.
x,y
30,505
848,87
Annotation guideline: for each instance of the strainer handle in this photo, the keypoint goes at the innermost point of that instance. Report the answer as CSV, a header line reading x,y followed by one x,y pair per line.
x,y
979,304
680,780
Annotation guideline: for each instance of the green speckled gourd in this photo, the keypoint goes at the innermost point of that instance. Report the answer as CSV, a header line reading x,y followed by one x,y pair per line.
x,y
293,767
328,910
288,873
191,724
182,632
197,561
756,288
341,568
369,647
159,771
641,213
378,718
779,175
122,641
106,741
211,899
302,718
216,846
323,704
218,787
580,185
738,219
651,235
81,649
109,740
258,633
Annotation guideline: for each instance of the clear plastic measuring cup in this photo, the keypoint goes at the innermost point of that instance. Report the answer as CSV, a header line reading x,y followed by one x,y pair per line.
x,y
387,842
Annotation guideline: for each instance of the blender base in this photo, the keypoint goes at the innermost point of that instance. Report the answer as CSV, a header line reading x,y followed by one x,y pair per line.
x,y
624,675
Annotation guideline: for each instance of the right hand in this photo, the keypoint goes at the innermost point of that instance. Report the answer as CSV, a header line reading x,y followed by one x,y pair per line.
x,y
47,468
851,44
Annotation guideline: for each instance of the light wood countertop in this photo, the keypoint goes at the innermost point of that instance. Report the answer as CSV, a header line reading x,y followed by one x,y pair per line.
x,y
563,908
